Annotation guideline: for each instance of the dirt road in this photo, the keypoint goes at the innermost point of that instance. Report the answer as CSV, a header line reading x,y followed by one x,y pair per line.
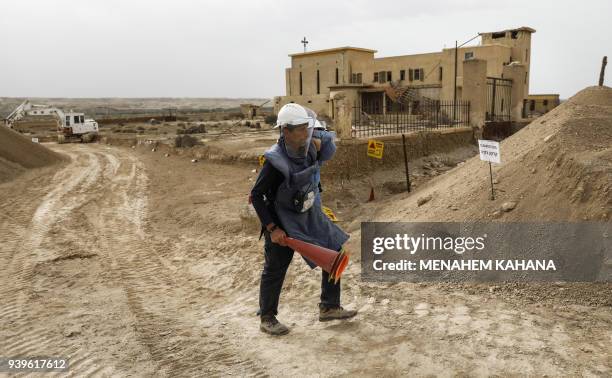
x,y
132,263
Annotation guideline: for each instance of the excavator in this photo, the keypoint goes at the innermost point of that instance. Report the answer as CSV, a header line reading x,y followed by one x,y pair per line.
x,y
70,125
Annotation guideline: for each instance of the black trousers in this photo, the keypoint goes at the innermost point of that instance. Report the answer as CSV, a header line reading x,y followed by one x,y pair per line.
x,y
277,260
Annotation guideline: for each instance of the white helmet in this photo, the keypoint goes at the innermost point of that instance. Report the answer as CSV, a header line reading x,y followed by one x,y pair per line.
x,y
293,114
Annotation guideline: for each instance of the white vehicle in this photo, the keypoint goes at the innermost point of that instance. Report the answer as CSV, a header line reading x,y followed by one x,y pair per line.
x,y
69,125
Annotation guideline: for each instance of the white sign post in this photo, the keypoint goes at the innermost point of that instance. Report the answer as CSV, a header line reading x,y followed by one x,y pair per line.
x,y
489,151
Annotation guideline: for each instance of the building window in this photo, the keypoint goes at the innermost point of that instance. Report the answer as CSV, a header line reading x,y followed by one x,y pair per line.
x,y
418,74
337,76
526,74
389,77
402,74
382,76
300,83
83,118
469,55
440,73
318,83
545,102
376,77
67,120
532,105
410,74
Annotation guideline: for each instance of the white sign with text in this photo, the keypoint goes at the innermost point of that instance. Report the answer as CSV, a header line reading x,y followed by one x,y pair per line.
x,y
489,151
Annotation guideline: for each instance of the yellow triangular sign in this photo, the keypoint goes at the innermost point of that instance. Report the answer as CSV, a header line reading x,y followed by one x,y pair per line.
x,y
330,214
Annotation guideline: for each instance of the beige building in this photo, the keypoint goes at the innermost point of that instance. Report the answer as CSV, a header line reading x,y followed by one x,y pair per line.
x,y
538,104
323,79
250,111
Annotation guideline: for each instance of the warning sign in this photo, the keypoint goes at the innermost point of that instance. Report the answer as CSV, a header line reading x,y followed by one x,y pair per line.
x,y
375,149
330,214
489,151
262,160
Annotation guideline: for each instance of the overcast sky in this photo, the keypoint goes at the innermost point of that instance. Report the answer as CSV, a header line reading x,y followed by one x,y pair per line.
x,y
183,48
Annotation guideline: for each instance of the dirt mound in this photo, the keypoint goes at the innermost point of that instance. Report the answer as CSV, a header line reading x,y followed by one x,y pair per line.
x,y
559,167
18,153
593,96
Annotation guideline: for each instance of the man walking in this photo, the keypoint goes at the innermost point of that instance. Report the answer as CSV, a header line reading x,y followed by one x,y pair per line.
x,y
285,197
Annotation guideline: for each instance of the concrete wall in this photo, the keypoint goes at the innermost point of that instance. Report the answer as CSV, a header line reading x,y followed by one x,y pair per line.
x,y
319,103
520,48
326,64
495,56
516,72
250,110
351,156
343,102
475,90
541,103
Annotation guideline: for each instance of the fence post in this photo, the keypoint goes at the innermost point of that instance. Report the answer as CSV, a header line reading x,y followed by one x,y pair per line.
x,y
493,100
357,119
437,104
396,119
406,163
603,70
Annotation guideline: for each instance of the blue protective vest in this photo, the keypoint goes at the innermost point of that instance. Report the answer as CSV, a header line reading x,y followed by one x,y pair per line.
x,y
295,205
328,149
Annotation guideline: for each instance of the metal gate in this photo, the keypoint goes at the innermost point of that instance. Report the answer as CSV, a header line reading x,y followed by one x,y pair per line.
x,y
375,118
499,99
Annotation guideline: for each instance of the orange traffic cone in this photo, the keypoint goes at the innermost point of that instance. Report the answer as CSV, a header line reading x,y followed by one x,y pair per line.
x,y
329,260
371,195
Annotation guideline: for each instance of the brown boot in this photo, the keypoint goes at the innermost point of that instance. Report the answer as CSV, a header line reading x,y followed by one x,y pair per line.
x,y
270,325
333,313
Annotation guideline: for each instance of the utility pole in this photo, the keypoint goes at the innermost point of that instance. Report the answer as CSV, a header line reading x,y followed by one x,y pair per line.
x,y
456,62
603,70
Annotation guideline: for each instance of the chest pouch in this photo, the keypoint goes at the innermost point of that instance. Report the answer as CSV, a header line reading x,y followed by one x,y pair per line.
x,y
304,199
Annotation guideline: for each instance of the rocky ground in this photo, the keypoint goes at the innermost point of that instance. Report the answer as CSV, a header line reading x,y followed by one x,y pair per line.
x,y
143,262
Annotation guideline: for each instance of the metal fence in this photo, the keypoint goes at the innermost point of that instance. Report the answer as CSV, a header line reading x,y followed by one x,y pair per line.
x,y
499,99
375,119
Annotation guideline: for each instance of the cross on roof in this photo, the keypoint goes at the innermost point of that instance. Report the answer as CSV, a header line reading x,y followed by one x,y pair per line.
x,y
304,42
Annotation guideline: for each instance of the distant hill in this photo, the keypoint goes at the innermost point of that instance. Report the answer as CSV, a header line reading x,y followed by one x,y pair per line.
x,y
104,106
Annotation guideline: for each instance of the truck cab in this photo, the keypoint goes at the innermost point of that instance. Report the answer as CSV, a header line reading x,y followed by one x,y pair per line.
x,y
77,124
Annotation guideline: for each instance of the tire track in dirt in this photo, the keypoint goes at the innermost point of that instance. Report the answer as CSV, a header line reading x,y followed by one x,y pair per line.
x,y
26,331
159,299
57,235
89,233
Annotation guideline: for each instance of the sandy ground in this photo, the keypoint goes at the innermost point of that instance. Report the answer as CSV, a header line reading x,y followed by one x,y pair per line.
x,y
136,264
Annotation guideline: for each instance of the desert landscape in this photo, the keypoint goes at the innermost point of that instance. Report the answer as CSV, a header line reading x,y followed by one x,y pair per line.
x,y
139,255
